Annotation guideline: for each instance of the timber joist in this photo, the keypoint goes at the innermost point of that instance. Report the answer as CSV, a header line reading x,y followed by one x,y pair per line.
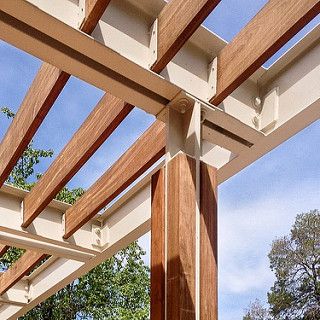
x,y
215,106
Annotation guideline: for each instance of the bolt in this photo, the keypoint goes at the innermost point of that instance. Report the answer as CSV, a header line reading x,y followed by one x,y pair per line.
x,y
255,121
257,102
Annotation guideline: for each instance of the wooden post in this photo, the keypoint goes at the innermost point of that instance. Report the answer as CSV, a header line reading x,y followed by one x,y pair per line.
x,y
174,268
157,310
208,243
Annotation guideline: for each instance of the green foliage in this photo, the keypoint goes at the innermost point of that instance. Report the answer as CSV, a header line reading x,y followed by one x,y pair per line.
x,y
117,289
295,261
13,254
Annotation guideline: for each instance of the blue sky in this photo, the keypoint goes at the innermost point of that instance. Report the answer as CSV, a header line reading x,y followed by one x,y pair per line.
x,y
256,206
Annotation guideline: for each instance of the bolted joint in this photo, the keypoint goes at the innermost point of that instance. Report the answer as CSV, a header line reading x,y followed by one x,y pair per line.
x,y
153,44
181,102
97,236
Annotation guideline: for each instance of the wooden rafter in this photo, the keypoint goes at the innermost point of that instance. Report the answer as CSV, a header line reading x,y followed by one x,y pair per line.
x,y
101,124
149,148
178,20
102,121
42,94
275,24
93,11
19,269
46,87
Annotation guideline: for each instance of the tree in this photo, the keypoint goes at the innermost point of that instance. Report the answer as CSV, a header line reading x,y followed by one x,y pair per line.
x,y
256,311
116,289
295,260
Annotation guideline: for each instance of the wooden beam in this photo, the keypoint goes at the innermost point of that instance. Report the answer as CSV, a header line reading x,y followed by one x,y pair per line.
x,y
180,242
178,20
97,127
208,243
149,148
94,10
19,269
46,87
3,249
42,94
102,121
276,23
157,288
181,238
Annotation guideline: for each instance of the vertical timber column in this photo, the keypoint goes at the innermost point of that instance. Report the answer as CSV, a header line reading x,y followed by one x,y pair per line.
x,y
184,229
208,243
157,303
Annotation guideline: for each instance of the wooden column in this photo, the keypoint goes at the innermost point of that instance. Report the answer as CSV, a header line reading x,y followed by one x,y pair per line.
x,y
208,243
175,293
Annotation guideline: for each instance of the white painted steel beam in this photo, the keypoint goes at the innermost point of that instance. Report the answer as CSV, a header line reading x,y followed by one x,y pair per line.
x,y
45,233
34,31
68,11
17,295
115,58
296,77
124,222
293,104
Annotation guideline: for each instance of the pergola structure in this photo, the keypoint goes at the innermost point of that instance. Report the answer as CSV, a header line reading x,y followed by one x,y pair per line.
x,y
217,110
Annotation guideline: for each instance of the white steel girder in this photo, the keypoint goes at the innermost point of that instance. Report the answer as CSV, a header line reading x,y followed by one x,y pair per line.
x,y
124,222
115,57
234,135
124,33
45,233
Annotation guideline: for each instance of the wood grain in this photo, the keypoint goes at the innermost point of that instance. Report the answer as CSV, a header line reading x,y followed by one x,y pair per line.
x,y
43,92
181,237
178,20
102,121
137,159
157,288
94,10
3,249
19,269
208,243
276,23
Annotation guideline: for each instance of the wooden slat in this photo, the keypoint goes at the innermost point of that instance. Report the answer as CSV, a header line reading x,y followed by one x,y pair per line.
x,y
102,121
3,249
157,281
43,92
178,20
39,99
93,12
181,238
264,35
141,155
19,269
208,243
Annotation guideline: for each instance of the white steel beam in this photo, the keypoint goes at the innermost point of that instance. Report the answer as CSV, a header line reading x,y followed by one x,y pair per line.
x,y
295,79
124,222
33,30
45,233
17,295
68,11
116,58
